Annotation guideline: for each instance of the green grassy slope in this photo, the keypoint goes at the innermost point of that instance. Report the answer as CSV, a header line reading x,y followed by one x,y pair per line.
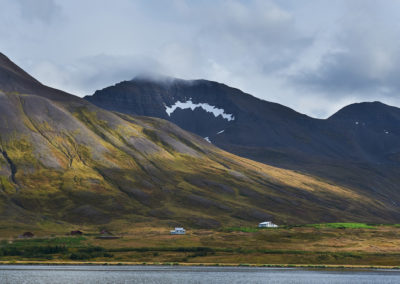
x,y
314,245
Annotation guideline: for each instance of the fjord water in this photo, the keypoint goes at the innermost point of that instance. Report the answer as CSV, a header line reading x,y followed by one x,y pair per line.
x,y
178,274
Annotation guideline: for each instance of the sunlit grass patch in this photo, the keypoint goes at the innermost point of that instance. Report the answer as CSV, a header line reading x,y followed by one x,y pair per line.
x,y
67,241
242,229
342,226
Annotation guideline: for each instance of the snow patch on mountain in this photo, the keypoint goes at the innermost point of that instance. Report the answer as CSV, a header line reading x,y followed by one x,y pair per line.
x,y
205,106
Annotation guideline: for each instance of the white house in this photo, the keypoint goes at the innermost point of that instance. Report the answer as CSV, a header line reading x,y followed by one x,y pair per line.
x,y
267,224
178,231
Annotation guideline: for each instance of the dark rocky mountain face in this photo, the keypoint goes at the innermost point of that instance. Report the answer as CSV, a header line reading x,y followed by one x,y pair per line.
x,y
209,109
65,161
373,129
358,146
13,78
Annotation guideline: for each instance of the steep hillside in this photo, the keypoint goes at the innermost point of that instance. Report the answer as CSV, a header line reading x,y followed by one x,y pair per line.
x,y
65,160
357,147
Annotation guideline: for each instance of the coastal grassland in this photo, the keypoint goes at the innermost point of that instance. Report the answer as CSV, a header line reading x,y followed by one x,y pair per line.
x,y
317,244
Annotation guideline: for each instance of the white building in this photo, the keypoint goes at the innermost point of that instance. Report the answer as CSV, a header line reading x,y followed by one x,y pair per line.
x,y
178,231
267,224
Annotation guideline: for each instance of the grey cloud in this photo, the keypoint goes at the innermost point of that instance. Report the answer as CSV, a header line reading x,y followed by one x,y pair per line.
x,y
366,61
42,10
339,72
370,72
259,35
309,55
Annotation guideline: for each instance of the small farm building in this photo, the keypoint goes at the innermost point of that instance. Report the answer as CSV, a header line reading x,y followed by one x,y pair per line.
x,y
178,231
267,224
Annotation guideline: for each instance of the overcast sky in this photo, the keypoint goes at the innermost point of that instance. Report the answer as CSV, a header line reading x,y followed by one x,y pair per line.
x,y
314,56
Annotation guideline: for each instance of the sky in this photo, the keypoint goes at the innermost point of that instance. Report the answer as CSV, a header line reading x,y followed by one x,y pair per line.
x,y
314,56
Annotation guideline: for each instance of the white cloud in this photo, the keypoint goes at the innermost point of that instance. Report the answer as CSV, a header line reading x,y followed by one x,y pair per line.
x,y
84,76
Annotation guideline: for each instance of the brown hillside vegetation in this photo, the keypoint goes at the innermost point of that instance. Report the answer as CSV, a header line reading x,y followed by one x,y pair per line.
x,y
65,160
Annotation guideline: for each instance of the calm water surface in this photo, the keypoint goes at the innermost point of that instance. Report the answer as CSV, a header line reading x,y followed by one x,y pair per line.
x,y
167,274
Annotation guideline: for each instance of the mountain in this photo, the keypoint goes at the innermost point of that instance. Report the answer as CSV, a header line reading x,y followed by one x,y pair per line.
x,y
64,161
358,147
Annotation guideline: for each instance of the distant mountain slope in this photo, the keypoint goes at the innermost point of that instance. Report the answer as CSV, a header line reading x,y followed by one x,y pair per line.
x,y
373,127
189,104
13,78
364,155
65,160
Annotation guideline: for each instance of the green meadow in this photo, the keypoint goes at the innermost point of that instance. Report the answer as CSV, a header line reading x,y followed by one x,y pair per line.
x,y
344,244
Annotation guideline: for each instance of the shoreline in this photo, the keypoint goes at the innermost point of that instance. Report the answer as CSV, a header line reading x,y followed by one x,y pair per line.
x,y
127,263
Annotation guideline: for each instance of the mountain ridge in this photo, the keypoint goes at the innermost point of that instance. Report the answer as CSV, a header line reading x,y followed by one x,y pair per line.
x,y
335,148
66,161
